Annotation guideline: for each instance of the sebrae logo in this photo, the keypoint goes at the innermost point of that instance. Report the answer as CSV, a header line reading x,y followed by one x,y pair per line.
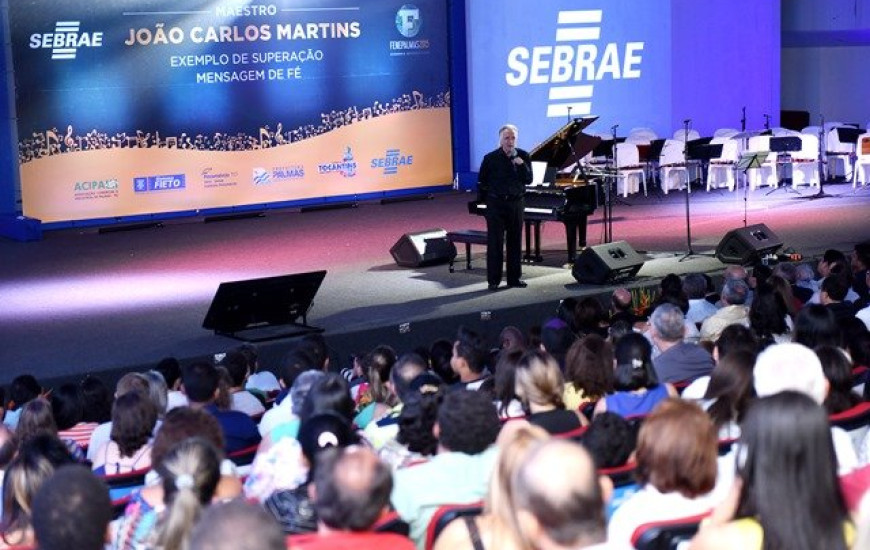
x,y
346,167
66,39
391,161
571,66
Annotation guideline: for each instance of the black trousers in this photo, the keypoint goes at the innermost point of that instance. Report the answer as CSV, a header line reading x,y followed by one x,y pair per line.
x,y
504,231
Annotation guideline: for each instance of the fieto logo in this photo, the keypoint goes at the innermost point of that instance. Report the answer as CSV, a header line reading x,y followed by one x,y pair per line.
x,y
66,39
571,65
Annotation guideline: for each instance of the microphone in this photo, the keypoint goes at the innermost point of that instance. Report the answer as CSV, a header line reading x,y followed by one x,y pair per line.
x,y
513,154
688,120
614,127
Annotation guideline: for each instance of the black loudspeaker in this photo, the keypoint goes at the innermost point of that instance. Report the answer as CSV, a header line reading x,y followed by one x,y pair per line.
x,y
423,248
746,245
607,263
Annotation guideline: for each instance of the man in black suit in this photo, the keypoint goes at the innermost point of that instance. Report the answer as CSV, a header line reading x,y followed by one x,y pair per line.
x,y
504,174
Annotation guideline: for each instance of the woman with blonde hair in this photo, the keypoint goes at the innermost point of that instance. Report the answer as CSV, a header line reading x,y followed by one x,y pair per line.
x,y
540,386
189,475
496,528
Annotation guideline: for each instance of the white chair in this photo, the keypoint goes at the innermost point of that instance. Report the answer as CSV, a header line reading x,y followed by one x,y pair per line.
x,y
837,153
721,169
641,135
784,132
766,173
629,167
725,132
672,163
862,162
805,163
680,135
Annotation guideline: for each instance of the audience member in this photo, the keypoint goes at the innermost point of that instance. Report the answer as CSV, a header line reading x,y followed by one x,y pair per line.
x,y
505,397
676,468
170,368
459,473
638,390
351,491
816,326
189,475
236,525
768,316
37,459
158,393
468,362
36,419
242,400
296,364
23,388
441,352
8,450
590,317
200,383
407,368
496,528
260,379
67,407
730,392
129,449
588,372
787,495
560,512
610,440
376,400
540,387
556,338
734,310
677,361
797,368
132,381
72,510
621,307
567,312
415,441
293,508
96,401
838,372
860,261
695,287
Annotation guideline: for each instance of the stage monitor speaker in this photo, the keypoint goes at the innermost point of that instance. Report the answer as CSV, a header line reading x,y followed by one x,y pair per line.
x,y
264,309
746,245
605,263
423,248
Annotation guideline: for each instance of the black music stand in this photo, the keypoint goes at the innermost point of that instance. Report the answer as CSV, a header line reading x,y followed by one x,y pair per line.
x,y
784,144
752,159
255,310
700,150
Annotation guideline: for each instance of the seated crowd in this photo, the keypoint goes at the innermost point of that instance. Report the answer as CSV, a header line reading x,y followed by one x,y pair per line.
x,y
742,412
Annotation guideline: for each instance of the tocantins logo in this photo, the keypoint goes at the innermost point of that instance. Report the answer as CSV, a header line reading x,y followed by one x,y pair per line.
x,y
408,20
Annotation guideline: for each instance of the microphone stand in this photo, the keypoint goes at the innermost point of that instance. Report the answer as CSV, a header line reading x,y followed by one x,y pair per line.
x,y
821,193
689,252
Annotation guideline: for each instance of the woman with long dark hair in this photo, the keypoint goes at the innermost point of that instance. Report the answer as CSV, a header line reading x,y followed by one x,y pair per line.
x,y
787,495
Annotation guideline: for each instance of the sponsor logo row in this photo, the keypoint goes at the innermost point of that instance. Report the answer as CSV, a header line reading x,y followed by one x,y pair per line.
x,y
389,164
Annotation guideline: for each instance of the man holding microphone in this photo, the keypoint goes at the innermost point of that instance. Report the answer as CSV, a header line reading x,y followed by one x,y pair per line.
x,y
504,174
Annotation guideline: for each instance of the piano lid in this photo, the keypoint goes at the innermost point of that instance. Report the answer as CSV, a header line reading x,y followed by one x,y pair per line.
x,y
567,145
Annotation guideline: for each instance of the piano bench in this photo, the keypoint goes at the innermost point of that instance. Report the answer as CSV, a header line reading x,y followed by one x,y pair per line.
x,y
467,237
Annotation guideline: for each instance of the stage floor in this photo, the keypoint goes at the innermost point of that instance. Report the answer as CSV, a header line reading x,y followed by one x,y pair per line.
x,y
79,301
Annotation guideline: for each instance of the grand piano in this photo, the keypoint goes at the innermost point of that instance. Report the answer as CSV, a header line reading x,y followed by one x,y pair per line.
x,y
569,197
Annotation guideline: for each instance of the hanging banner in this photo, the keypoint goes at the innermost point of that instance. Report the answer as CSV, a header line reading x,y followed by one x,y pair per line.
x,y
128,108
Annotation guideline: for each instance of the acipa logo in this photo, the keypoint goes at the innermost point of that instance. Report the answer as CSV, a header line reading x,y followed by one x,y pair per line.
x,y
66,39
573,63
